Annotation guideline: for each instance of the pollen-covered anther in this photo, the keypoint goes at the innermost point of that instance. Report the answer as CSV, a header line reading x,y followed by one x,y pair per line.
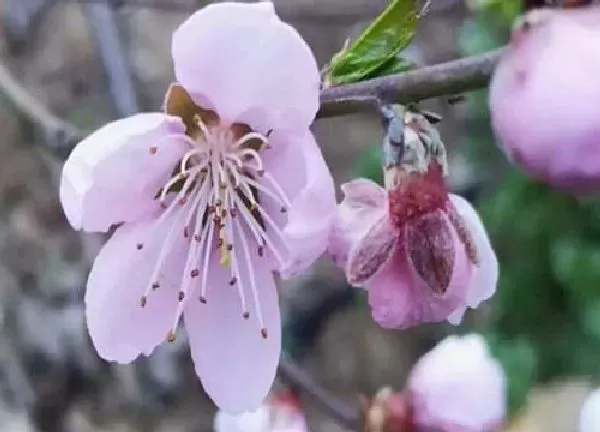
x,y
264,333
194,273
155,286
283,210
229,247
153,150
233,281
246,315
261,251
143,301
139,246
260,172
186,231
180,296
202,300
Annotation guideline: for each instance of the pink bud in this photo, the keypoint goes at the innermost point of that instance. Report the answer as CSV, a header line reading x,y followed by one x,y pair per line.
x,y
458,387
544,98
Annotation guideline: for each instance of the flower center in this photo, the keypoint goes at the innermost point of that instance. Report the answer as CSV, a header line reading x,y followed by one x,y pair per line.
x,y
216,186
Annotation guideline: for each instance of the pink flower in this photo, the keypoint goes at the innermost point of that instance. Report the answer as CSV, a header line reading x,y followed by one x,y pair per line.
x,y
589,418
211,196
544,98
422,254
458,387
281,413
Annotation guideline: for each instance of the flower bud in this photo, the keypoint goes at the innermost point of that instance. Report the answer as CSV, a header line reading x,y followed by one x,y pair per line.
x,y
589,419
387,412
458,387
544,98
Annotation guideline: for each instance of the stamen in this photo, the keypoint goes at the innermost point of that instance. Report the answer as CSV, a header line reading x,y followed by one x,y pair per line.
x,y
250,269
139,246
250,136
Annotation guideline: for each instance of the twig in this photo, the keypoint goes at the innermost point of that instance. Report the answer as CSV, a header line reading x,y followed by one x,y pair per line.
x,y
61,135
444,79
102,20
294,375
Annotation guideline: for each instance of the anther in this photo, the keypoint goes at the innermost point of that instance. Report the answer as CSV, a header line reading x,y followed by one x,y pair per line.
x,y
203,300
153,150
217,220
139,246
163,205
252,206
186,232
263,333
261,251
218,203
219,243
194,273
155,285
197,237
246,315
171,336
210,209
183,200
143,301
224,213
204,170
180,296
230,247
223,185
233,212
269,132
260,173
233,281
283,210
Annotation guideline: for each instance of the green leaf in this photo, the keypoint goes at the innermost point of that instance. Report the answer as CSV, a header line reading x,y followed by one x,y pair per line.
x,y
392,66
379,44
368,165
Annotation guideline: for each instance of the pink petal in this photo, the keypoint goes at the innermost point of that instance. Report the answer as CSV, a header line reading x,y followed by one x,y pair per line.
x,y
460,384
234,362
119,327
485,275
300,169
112,176
364,203
248,65
400,299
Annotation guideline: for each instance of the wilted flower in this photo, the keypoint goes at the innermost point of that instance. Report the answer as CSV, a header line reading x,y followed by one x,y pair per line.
x,y
589,419
458,387
421,253
544,98
211,196
280,413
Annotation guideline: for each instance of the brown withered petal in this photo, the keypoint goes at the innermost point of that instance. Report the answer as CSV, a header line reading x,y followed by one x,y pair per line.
x,y
430,249
180,104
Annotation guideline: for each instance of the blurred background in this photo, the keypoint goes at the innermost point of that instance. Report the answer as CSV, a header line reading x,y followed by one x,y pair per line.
x,y
90,61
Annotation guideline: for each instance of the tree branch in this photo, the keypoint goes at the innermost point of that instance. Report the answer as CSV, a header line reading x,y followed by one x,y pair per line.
x,y
443,79
291,373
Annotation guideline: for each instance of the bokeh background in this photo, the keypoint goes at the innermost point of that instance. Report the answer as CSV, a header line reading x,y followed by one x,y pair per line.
x,y
90,61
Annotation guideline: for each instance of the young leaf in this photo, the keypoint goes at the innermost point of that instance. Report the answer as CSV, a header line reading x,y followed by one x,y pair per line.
x,y
389,34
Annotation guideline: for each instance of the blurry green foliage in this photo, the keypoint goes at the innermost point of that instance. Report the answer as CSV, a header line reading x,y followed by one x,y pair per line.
x,y
375,52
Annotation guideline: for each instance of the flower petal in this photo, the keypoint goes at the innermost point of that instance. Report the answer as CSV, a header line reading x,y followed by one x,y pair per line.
x,y
248,65
485,275
253,421
364,203
112,176
400,299
312,210
119,327
234,362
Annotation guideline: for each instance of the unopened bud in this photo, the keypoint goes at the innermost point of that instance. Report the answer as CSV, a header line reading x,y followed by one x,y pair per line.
x,y
387,412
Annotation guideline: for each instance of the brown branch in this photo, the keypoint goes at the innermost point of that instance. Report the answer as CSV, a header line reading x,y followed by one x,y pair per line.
x,y
291,373
443,79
